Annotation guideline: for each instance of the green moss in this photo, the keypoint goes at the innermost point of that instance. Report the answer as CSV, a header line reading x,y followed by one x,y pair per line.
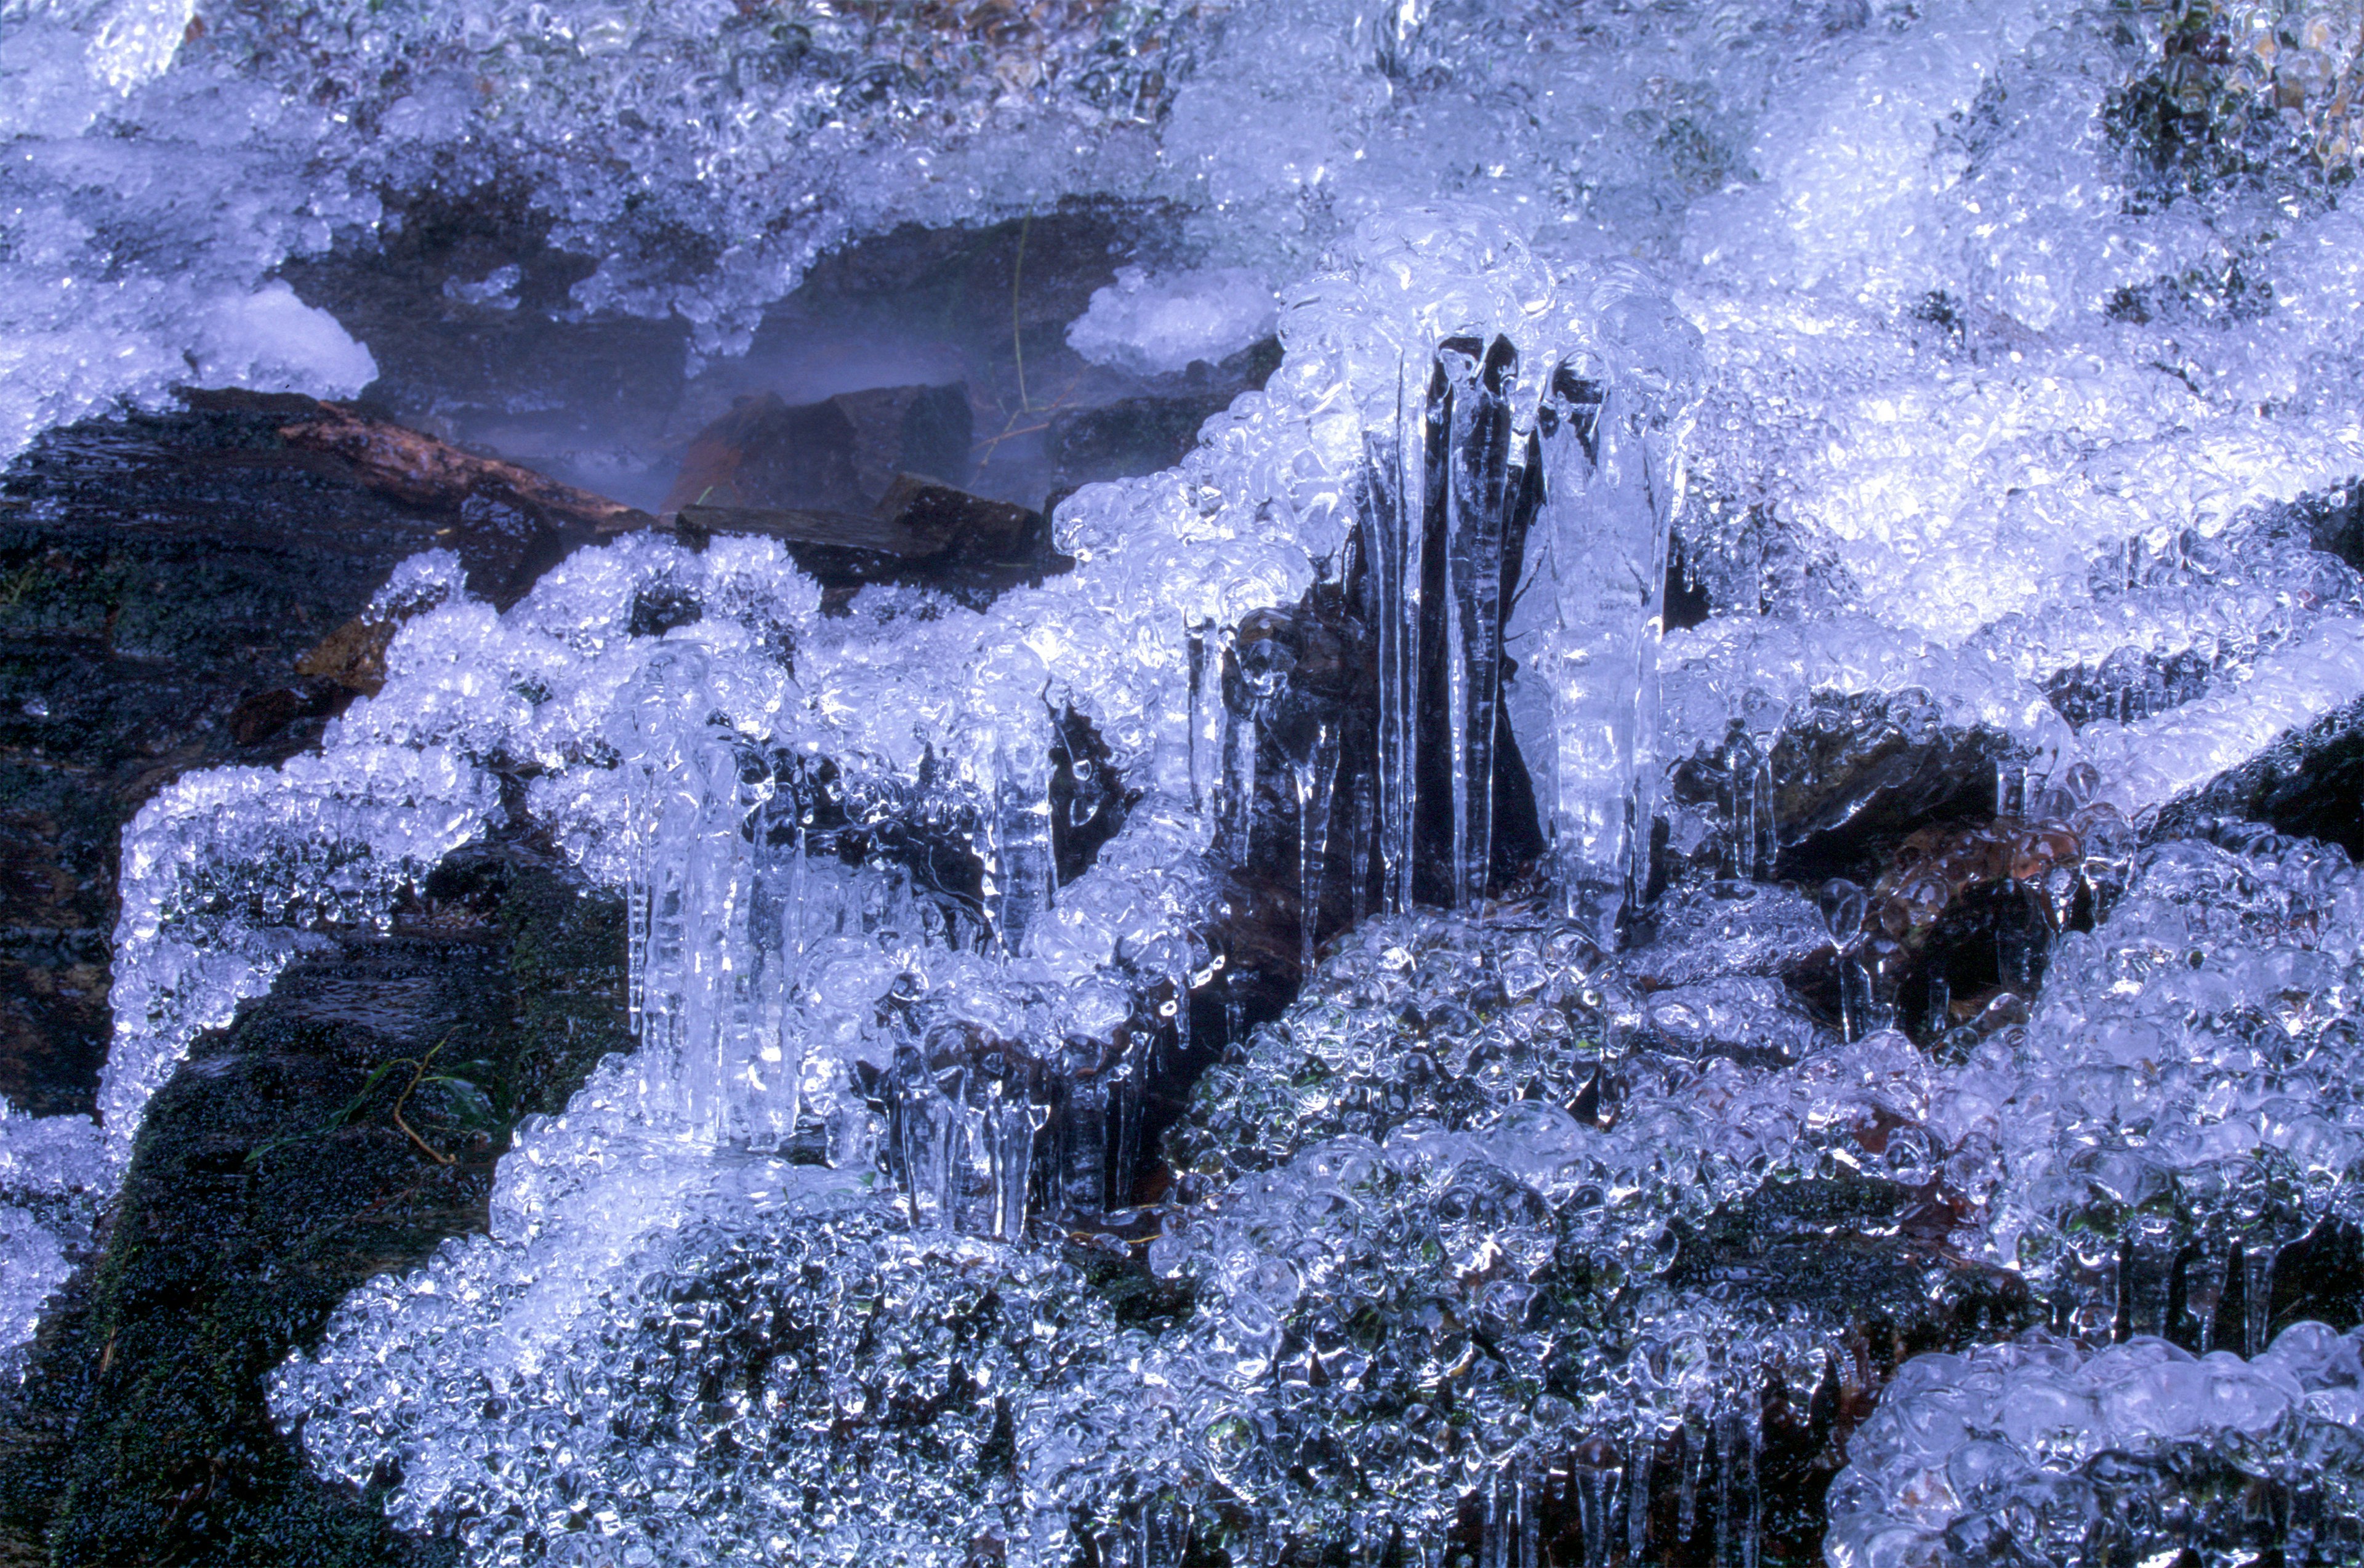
x,y
300,1152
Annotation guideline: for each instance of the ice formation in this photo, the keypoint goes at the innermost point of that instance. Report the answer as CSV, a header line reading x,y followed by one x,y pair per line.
x,y
1158,326
2037,1451
1984,410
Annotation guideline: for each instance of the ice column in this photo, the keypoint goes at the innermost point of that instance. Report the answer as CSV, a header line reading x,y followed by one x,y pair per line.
x,y
1598,552
1448,503
704,917
1515,519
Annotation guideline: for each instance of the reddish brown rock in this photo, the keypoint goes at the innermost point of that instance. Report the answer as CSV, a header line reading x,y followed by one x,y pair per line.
x,y
841,454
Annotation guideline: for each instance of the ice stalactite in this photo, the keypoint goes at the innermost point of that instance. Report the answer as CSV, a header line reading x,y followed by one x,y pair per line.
x,y
1610,486
1515,529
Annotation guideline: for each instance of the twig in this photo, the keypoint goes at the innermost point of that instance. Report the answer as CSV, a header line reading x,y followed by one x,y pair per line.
x,y
429,1150
1017,341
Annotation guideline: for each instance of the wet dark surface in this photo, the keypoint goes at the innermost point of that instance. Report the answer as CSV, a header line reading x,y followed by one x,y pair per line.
x,y
159,577
2310,782
341,1127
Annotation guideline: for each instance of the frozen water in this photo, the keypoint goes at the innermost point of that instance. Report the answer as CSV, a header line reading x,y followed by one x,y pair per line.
x,y
1974,351
53,1175
1154,325
2037,1451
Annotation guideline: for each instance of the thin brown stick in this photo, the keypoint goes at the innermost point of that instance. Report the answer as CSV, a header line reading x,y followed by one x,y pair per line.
x,y
1017,341
429,1150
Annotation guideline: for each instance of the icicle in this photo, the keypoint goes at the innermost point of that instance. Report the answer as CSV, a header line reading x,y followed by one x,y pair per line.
x,y
1016,1122
1597,1475
1762,714
1180,977
2019,948
928,1128
1021,874
1394,522
1694,1458
1084,1181
1843,906
1494,1549
1364,824
1314,777
1939,1015
1763,835
1124,1113
1724,1542
1242,736
2146,1273
2257,1297
1478,442
1600,535
636,949
1206,738
1637,1498
1741,1529
2011,790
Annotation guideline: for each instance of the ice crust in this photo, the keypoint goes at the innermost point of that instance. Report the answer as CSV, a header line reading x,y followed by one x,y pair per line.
x,y
1382,1174
1157,325
2041,1451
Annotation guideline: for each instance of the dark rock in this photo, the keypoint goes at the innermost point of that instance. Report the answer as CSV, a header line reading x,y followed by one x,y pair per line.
x,y
1151,432
343,1126
508,523
841,454
159,575
1851,776
2308,782
1688,597
921,533
2333,521
353,655
266,713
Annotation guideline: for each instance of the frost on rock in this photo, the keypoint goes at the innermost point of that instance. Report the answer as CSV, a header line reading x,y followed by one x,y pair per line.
x,y
224,873
53,1175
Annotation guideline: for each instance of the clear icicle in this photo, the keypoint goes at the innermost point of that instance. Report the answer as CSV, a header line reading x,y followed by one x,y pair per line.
x,y
1598,550
1637,1498
1392,520
1477,447
1313,777
1597,1477
2256,1295
1204,649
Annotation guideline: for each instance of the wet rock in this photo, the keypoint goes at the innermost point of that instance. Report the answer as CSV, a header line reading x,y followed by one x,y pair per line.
x,y
266,713
2308,782
352,657
342,1127
508,523
1149,432
159,577
843,454
921,532
1844,781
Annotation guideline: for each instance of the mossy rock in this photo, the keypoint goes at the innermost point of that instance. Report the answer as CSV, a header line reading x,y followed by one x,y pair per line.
x,y
342,1127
